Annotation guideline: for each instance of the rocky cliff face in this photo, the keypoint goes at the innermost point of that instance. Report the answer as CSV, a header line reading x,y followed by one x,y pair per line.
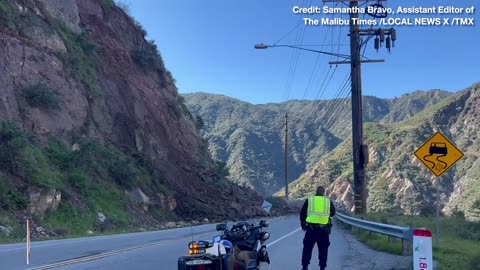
x,y
82,69
114,101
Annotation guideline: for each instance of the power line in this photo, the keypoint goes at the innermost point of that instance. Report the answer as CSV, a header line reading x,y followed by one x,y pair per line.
x,y
338,99
294,61
314,69
311,76
324,86
288,33
339,111
330,106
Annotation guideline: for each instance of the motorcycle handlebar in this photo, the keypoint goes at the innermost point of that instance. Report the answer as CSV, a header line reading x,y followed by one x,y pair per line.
x,y
229,234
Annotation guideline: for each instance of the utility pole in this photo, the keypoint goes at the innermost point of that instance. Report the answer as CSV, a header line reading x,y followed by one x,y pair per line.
x,y
357,115
360,150
286,155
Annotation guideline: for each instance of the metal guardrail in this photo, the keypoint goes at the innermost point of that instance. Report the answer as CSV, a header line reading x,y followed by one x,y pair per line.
x,y
404,233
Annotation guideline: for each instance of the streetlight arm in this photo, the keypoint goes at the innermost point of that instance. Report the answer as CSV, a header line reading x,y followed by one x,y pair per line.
x,y
264,46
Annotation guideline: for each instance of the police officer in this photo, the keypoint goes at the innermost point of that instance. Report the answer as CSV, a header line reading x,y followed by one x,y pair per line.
x,y
315,221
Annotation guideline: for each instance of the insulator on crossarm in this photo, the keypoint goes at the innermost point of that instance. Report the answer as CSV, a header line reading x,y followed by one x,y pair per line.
x,y
393,34
377,43
389,43
381,33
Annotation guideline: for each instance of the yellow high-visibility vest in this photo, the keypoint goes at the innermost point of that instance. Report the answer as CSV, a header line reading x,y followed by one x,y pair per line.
x,y
318,210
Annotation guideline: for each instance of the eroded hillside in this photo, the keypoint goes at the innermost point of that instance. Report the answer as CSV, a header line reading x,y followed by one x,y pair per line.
x,y
93,124
397,181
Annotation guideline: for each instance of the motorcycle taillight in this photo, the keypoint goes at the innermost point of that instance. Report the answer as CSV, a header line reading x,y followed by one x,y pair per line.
x,y
201,267
236,266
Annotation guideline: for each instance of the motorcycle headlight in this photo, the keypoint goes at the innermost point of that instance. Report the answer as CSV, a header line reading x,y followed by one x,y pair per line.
x,y
199,244
198,247
265,236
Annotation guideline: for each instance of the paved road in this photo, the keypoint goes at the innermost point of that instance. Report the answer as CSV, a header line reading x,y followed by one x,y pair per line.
x,y
160,250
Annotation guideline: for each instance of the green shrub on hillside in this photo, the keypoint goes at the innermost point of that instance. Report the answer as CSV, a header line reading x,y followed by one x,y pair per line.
x,y
80,58
149,59
107,4
92,178
144,58
222,168
7,14
40,95
14,144
44,175
10,198
80,180
55,163
70,219
199,123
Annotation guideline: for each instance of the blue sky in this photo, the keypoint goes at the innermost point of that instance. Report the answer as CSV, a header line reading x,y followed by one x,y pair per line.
x,y
208,47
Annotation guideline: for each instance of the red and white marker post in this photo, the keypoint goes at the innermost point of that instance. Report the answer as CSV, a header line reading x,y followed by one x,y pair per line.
x,y
422,250
28,242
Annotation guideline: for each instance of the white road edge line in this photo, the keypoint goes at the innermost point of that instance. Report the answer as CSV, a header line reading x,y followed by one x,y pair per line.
x,y
283,237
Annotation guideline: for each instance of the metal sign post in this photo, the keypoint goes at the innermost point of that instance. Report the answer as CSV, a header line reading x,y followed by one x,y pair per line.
x,y
437,219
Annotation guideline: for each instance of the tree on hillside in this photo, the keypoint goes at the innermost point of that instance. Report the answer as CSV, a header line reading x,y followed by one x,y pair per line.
x,y
199,123
222,168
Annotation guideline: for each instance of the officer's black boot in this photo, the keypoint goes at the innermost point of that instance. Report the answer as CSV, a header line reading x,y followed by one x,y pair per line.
x,y
304,267
322,268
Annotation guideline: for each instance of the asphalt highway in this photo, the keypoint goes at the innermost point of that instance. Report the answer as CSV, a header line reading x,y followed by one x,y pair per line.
x,y
160,249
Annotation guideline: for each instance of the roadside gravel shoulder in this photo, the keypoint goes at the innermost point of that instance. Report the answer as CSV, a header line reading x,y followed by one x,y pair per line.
x,y
361,257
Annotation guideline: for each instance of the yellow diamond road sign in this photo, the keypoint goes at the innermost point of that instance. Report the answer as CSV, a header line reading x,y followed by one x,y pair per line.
x,y
438,154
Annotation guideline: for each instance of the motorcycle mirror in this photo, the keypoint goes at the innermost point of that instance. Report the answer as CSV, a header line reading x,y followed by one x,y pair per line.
x,y
264,236
263,223
222,227
217,238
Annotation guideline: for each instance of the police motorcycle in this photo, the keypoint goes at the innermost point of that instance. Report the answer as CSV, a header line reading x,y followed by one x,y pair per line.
x,y
207,255
240,247
249,249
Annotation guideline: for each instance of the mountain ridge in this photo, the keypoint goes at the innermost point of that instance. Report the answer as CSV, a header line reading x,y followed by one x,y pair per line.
x,y
224,115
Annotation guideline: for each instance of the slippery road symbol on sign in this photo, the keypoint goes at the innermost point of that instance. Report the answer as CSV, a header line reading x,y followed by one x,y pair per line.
x,y
438,154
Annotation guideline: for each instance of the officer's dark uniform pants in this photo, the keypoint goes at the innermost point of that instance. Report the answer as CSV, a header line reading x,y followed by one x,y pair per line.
x,y
321,237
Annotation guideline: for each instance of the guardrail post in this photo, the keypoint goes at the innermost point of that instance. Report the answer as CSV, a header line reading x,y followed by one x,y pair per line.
x,y
407,242
407,247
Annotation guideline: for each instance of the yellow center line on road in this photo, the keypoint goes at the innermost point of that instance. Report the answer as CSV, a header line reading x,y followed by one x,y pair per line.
x,y
109,254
